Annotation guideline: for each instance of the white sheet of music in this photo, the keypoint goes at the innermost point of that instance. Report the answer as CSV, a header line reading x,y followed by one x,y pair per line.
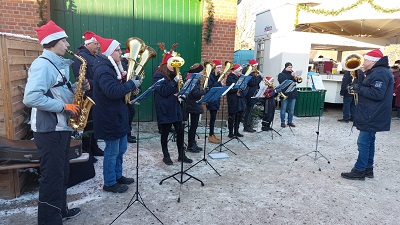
x,y
317,83
260,92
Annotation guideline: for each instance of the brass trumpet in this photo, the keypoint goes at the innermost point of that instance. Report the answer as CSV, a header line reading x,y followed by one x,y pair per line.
x,y
176,62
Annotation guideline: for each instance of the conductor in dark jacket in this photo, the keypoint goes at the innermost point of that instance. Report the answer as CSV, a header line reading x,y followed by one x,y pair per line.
x,y
373,111
288,74
253,86
194,109
348,99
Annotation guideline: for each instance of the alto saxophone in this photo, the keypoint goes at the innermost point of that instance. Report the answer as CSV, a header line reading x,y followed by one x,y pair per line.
x,y
78,122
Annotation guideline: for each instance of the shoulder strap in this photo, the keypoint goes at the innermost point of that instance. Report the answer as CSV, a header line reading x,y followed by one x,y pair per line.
x,y
64,79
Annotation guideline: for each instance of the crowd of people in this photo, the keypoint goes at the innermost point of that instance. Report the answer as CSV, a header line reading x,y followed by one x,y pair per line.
x,y
51,95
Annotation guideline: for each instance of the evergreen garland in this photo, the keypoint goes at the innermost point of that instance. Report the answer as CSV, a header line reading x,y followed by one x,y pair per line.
x,y
210,21
40,10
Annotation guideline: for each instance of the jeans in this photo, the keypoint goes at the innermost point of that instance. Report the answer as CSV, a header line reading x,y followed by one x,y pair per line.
x,y
348,107
113,158
284,105
366,150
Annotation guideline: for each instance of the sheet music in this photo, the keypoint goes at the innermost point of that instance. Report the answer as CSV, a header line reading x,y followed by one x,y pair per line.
x,y
299,72
318,84
261,91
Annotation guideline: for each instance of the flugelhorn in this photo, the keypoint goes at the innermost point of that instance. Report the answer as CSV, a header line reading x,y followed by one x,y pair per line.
x,y
352,63
210,66
228,67
136,47
176,62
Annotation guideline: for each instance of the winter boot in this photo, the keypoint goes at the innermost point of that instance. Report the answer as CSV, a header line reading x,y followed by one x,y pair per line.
x,y
184,158
236,133
230,126
354,175
266,126
369,172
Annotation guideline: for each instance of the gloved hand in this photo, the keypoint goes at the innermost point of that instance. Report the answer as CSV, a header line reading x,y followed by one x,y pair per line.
x,y
86,85
353,88
72,108
137,81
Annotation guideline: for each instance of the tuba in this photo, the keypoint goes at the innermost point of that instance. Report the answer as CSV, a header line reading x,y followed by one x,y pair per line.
x,y
136,47
147,54
176,62
352,63
210,66
78,122
228,66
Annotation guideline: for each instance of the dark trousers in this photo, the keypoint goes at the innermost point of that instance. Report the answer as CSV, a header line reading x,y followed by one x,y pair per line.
x,y
213,117
194,123
132,112
88,141
248,120
269,110
233,122
54,173
165,128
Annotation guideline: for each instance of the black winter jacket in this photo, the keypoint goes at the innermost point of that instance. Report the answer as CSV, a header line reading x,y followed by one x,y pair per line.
x,y
90,59
287,75
195,94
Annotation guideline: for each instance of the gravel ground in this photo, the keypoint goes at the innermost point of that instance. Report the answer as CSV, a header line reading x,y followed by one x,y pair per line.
x,y
263,185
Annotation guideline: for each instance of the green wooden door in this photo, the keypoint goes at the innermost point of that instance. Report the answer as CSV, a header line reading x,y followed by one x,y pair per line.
x,y
153,21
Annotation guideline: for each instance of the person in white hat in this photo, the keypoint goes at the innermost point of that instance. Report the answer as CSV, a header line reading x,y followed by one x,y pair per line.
x,y
88,51
373,111
110,115
49,93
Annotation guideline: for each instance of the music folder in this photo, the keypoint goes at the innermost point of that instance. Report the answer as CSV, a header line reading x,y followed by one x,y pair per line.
x,y
261,90
215,93
148,91
189,84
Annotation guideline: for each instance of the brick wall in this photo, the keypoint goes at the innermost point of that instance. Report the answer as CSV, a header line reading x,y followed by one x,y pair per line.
x,y
19,17
222,36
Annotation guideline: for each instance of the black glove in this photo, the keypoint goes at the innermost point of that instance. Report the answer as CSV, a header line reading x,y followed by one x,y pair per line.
x,y
354,88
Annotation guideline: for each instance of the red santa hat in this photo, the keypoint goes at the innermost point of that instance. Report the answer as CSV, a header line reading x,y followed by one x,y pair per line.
x,y
374,55
107,45
217,63
253,62
89,37
237,68
269,79
49,32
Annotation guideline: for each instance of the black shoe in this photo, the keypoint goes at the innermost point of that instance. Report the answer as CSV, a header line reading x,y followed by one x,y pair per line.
x,y
283,125
239,134
97,152
193,149
354,175
265,128
185,159
343,120
369,172
291,125
125,180
116,188
131,139
249,129
231,135
351,119
71,213
167,160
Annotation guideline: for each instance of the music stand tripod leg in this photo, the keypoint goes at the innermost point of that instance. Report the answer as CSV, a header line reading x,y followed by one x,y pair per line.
x,y
137,196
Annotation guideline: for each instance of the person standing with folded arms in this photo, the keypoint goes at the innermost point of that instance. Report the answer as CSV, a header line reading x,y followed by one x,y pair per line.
x,y
111,113
49,93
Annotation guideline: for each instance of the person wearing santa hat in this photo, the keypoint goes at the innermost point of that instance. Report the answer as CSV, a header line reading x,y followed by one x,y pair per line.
x,y
373,111
269,104
49,93
288,74
253,86
88,51
236,102
213,107
110,114
168,108
194,109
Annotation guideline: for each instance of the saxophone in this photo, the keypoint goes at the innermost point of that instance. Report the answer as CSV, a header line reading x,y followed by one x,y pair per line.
x,y
78,122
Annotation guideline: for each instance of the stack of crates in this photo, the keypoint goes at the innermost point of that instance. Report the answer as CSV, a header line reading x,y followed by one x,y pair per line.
x,y
309,103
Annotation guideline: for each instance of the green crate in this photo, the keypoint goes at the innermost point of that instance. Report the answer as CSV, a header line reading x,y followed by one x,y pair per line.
x,y
309,103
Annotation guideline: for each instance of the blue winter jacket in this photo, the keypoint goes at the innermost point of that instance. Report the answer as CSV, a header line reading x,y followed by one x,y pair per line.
x,y
375,93
235,103
90,59
110,114
168,109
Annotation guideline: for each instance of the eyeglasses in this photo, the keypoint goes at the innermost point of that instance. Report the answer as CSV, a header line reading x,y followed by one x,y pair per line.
x,y
117,50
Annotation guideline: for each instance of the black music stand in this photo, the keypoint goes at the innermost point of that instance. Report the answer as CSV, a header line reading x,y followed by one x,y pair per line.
x,y
241,84
136,197
222,144
187,87
214,94
317,154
